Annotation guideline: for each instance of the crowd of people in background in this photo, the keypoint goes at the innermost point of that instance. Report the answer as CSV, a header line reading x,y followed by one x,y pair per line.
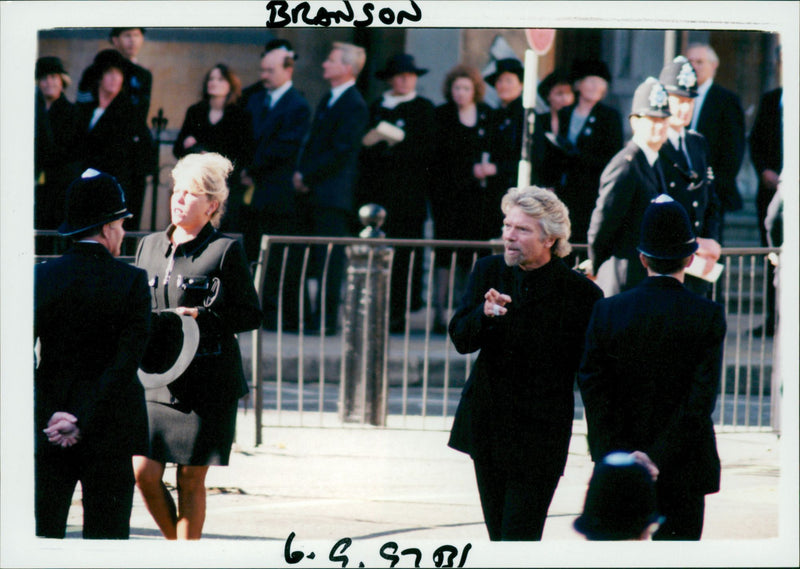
x,y
303,172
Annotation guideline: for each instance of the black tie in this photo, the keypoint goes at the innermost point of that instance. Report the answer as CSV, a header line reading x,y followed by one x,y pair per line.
x,y
660,177
267,105
323,105
684,153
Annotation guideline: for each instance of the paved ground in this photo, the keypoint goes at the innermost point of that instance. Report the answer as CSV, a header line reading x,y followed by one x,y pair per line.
x,y
377,486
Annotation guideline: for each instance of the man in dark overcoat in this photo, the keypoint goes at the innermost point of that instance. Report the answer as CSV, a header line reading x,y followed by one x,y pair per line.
x,y
91,318
397,174
720,118
688,173
630,181
527,313
327,166
651,371
280,116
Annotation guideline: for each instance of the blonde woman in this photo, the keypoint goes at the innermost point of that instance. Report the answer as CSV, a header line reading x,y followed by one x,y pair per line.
x,y
197,271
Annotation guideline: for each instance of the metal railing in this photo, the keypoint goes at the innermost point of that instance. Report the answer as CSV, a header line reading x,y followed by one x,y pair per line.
x,y
298,376
297,371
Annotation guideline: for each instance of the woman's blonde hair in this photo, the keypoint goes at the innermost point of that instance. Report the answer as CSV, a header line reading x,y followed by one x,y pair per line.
x,y
208,173
544,206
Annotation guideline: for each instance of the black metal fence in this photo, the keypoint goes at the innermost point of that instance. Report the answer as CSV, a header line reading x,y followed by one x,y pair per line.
x,y
299,376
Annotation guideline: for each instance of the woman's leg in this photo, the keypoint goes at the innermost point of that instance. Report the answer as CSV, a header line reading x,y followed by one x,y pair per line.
x,y
191,501
159,502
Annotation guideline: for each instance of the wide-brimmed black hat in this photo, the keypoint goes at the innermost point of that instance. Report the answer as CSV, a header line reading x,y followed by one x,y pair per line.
x,y
666,230
679,78
650,100
171,347
400,63
557,77
620,502
508,65
94,199
589,67
50,65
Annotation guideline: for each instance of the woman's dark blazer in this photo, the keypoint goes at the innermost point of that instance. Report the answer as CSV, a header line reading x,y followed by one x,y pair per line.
x,y
599,140
505,149
398,177
209,273
518,404
456,195
232,136
113,144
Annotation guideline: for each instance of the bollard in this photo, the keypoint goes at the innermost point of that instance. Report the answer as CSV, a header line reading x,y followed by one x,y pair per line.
x,y
363,389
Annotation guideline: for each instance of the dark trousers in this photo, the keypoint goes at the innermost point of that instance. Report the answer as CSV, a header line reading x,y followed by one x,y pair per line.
x,y
328,222
107,488
283,259
401,267
514,500
684,511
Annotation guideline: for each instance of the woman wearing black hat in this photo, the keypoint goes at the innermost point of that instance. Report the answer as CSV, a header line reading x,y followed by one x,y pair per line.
x,y
589,135
110,131
56,134
556,90
396,173
197,271
218,124
505,144
462,131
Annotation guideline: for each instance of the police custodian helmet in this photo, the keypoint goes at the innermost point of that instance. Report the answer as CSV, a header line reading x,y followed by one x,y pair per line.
x,y
94,199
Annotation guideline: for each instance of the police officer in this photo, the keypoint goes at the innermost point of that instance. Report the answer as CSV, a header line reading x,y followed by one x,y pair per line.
x,y
651,372
631,180
91,316
688,173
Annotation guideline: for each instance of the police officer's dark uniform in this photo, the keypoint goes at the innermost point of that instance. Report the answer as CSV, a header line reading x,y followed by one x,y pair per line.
x,y
91,315
687,171
651,372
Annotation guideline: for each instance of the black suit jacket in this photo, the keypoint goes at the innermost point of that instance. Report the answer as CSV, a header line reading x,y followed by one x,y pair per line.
x,y
118,144
766,148
518,402
209,273
692,187
56,158
329,158
398,177
91,315
232,136
721,121
627,186
278,134
649,380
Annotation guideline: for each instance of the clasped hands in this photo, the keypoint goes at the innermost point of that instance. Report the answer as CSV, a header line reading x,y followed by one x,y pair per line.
x,y
62,429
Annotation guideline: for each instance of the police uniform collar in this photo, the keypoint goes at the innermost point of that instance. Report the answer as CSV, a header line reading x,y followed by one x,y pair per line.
x,y
91,248
662,281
